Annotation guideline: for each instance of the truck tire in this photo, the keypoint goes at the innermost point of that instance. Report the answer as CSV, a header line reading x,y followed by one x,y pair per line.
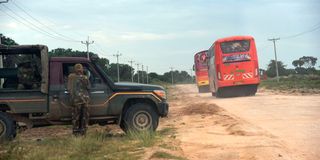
x,y
140,117
7,127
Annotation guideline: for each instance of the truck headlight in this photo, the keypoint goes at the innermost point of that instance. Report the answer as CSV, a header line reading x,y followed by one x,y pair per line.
x,y
161,93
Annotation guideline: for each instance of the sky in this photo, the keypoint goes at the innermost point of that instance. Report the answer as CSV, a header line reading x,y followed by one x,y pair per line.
x,y
165,33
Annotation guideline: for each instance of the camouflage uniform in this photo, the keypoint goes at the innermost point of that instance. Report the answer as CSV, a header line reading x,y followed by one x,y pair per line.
x,y
78,86
26,76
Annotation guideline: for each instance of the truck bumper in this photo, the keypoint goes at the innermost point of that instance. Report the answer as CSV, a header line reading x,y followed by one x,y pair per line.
x,y
163,109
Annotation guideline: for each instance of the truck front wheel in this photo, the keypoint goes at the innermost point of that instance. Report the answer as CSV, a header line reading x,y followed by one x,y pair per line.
x,y
140,117
7,127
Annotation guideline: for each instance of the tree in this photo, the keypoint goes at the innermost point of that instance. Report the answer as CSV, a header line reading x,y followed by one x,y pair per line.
x,y
309,61
297,63
305,65
271,70
124,72
7,41
178,77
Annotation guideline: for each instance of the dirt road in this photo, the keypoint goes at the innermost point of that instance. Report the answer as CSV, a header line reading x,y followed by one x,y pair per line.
x,y
265,126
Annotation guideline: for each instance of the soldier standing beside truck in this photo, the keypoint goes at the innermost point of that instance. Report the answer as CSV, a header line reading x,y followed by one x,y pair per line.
x,y
78,86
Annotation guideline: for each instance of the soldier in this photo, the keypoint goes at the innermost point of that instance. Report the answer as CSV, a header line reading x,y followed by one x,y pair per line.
x,y
26,76
78,86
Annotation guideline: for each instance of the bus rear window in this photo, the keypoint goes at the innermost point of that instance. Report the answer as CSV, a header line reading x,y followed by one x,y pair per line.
x,y
235,46
201,60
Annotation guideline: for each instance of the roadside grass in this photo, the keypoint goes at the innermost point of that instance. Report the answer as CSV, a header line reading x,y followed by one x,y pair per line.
x,y
300,83
165,155
95,145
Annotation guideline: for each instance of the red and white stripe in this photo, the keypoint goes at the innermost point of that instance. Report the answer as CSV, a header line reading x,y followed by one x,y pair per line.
x,y
228,77
247,75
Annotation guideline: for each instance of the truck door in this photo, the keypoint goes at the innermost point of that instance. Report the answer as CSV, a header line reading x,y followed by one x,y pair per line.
x,y
99,92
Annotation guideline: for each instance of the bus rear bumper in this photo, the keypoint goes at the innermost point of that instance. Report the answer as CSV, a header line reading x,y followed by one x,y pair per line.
x,y
238,83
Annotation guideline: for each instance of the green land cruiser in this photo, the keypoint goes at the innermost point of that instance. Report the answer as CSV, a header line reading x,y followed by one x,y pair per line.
x,y
133,106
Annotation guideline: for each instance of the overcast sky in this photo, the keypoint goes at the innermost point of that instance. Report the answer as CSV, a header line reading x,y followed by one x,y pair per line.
x,y
166,33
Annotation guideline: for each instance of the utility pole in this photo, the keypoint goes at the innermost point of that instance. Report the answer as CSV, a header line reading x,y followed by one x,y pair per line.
x,y
191,75
1,59
87,43
142,77
117,55
131,69
147,76
275,55
138,71
171,75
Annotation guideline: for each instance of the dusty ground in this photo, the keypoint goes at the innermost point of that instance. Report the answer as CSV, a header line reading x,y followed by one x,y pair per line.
x,y
268,126
265,126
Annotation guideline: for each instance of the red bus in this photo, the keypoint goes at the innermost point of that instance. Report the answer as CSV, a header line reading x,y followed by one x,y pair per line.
x,y
201,71
233,67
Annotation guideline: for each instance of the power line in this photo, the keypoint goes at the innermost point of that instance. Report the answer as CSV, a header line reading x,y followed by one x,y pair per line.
x,y
314,28
4,1
48,19
35,19
30,24
31,27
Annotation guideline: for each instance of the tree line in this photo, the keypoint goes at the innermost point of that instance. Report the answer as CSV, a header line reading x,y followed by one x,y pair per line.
x,y
304,65
125,70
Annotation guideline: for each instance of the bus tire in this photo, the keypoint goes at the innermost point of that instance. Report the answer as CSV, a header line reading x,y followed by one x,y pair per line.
x,y
7,127
219,94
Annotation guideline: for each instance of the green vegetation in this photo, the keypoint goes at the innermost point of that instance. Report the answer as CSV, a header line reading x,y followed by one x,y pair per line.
x,y
294,82
303,66
164,155
96,145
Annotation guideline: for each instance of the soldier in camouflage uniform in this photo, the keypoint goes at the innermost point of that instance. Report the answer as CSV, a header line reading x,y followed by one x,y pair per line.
x,y
26,76
78,86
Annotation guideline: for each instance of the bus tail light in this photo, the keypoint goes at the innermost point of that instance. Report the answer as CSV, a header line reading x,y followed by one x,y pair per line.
x,y
256,70
218,72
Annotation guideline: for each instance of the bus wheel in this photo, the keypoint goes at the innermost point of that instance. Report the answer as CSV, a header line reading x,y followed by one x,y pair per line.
x,y
7,127
219,94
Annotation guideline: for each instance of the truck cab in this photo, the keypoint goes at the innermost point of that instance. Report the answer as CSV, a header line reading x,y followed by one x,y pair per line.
x,y
133,106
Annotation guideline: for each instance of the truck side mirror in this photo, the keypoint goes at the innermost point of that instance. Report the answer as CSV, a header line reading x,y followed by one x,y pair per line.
x,y
193,67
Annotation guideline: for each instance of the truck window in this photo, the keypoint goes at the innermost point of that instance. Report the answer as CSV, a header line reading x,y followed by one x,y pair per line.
x,y
94,78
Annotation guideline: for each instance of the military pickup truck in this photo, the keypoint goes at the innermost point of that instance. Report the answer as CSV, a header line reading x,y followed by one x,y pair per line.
x,y
133,106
